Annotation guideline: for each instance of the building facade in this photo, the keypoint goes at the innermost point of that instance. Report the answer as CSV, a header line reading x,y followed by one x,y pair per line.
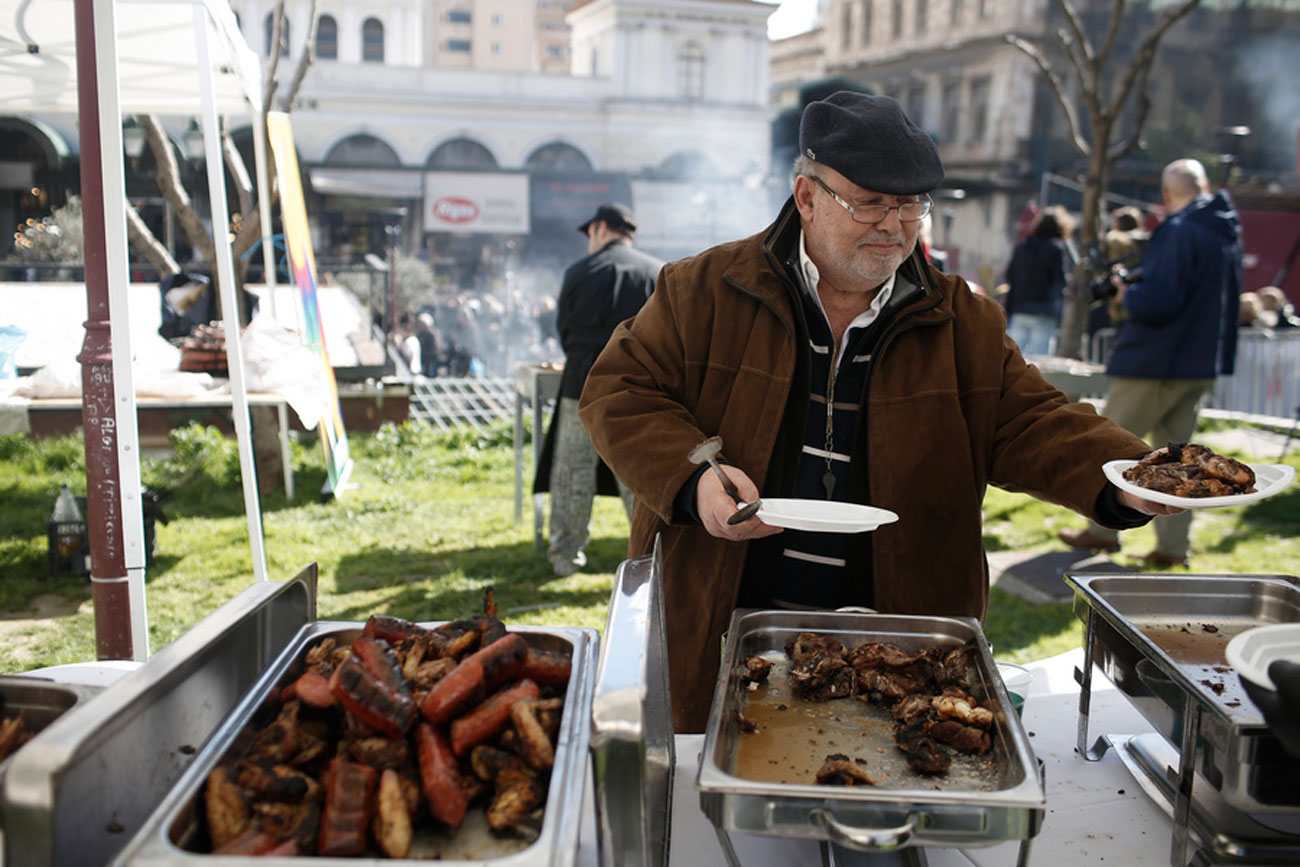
x,y
1002,136
487,130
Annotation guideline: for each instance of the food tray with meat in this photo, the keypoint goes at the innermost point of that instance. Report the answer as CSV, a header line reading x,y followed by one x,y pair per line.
x,y
94,775
871,731
1161,640
27,706
389,739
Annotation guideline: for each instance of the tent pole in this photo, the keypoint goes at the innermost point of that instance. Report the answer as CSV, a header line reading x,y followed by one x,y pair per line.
x,y
103,415
229,298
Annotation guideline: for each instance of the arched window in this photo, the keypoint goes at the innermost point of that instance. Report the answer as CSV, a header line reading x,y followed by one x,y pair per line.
x,y
372,41
327,38
688,165
558,157
461,153
270,34
362,150
690,71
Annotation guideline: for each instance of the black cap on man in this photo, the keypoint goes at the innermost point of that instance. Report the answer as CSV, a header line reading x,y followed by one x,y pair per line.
x,y
871,142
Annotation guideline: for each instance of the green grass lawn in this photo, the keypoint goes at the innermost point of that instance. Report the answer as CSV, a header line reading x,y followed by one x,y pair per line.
x,y
430,525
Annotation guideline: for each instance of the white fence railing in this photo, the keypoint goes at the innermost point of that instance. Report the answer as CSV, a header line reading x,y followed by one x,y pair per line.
x,y
447,402
1266,381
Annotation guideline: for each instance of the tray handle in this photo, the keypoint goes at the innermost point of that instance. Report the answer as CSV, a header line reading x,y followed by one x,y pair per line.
x,y
863,839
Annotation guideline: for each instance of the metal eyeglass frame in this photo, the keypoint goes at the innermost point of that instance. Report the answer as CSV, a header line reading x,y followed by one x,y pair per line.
x,y
884,210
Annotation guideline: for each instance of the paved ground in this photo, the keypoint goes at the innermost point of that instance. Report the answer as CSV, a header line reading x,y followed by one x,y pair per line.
x,y
1037,576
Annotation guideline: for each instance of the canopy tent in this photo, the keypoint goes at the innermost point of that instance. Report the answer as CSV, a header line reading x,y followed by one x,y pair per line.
x,y
183,57
157,67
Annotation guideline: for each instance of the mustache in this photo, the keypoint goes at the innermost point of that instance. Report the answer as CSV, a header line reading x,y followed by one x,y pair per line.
x,y
883,238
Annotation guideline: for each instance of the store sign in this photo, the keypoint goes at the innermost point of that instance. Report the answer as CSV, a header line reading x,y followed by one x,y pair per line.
x,y
484,202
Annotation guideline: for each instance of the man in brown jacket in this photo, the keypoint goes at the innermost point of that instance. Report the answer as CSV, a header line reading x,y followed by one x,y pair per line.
x,y
835,364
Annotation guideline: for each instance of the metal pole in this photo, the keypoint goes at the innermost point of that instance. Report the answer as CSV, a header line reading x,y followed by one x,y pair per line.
x,y
108,580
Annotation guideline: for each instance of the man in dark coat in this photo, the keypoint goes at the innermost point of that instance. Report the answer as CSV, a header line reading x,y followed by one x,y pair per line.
x,y
1180,332
599,291
836,364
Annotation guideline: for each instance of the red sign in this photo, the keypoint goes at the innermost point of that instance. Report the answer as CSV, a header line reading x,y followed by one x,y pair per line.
x,y
454,209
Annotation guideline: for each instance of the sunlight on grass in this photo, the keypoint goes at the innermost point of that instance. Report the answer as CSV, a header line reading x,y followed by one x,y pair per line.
x,y
429,526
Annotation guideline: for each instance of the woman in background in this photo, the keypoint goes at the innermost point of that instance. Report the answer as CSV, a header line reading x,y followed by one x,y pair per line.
x,y
1037,276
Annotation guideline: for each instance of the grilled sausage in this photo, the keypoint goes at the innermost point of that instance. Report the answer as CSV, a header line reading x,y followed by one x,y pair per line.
x,y
392,629
439,776
546,667
311,688
370,700
377,657
349,804
468,682
490,718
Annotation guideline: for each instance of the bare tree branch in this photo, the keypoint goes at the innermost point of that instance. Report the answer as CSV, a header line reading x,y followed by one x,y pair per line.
x,y
1058,90
1076,29
168,178
1112,33
304,63
1146,53
270,82
146,243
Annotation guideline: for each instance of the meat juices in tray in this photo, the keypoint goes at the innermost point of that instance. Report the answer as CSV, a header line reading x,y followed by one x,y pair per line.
x,y
1191,470
403,727
925,692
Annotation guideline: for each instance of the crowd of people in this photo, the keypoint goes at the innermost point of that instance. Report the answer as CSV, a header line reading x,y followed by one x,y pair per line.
x,y
476,334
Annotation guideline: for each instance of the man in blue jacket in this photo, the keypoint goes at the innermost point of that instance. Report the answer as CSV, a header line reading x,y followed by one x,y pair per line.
x,y
1180,333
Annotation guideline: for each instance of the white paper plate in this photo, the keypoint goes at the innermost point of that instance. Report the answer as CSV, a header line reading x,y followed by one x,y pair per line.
x,y
1254,650
1269,480
823,516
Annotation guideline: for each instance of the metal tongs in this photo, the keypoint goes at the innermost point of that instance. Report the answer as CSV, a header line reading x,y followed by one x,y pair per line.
x,y
708,451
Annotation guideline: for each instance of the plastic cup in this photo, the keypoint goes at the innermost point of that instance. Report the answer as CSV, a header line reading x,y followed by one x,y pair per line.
x,y
1017,679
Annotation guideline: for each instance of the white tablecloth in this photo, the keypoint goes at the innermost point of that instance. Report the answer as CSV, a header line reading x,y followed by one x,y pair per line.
x,y
1096,812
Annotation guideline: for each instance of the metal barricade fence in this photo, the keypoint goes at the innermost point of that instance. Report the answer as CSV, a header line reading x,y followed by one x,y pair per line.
x,y
1266,381
447,402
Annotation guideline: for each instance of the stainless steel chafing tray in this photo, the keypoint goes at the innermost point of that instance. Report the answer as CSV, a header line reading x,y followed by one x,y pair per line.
x,y
1007,804
1160,640
40,701
632,723
92,777
170,836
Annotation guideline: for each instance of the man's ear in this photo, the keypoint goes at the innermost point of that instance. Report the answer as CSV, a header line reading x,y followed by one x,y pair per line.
x,y
803,196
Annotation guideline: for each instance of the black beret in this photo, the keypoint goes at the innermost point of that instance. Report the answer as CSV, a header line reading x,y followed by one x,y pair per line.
x,y
613,214
871,142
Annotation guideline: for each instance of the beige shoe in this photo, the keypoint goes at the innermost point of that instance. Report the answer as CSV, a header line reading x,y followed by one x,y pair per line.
x,y
1084,539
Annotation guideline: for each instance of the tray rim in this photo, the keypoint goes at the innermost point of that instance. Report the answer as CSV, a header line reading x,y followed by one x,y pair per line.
x,y
713,782
152,844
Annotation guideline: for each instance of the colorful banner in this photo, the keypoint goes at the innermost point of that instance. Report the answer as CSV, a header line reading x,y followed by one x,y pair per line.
x,y
302,265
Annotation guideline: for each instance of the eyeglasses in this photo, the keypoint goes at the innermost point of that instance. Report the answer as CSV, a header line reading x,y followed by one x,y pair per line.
x,y
908,212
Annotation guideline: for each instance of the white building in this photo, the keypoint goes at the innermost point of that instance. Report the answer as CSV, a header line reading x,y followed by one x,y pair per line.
x,y
409,105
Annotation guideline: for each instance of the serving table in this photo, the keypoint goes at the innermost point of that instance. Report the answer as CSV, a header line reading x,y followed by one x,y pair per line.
x,y
1096,812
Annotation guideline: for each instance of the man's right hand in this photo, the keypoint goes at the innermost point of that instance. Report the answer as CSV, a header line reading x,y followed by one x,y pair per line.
x,y
715,506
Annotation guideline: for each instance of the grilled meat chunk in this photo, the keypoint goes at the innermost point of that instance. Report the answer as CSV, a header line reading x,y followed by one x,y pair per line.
x,y
13,735
839,770
392,828
227,810
923,753
955,704
1191,470
757,669
808,645
967,739
909,707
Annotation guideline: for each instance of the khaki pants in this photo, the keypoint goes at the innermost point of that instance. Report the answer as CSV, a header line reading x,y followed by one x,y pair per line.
x,y
573,486
1166,409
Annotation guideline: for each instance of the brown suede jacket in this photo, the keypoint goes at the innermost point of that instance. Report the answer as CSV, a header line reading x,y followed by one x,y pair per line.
x,y
952,407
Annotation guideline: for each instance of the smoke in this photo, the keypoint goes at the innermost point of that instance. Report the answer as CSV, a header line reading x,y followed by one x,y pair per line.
x,y
1265,65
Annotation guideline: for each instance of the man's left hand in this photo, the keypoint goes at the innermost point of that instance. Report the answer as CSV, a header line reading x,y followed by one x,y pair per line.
x,y
1146,507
